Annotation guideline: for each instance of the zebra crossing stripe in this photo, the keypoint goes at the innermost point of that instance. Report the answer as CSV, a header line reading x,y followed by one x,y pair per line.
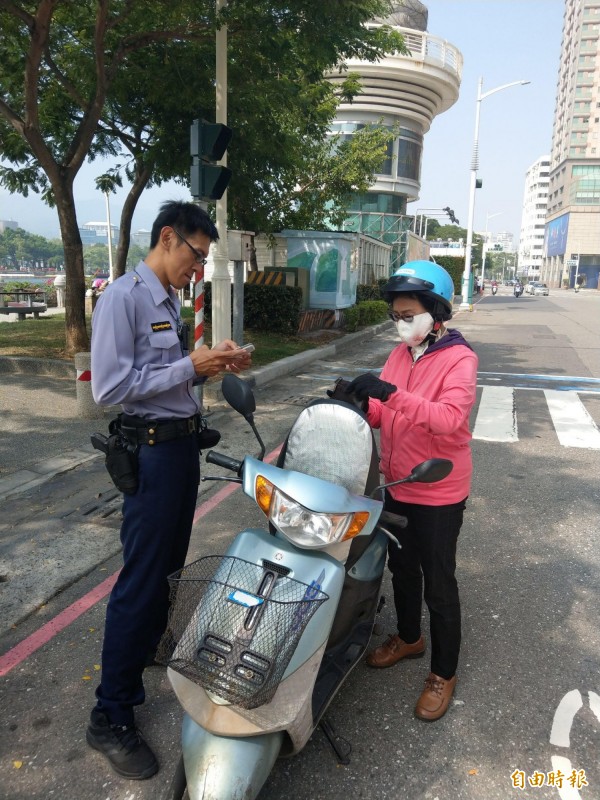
x,y
573,424
496,418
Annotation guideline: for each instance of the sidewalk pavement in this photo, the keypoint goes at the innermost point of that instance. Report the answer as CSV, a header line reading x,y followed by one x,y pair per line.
x,y
41,435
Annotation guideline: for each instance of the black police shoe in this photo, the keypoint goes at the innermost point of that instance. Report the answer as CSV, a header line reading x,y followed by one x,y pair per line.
x,y
123,746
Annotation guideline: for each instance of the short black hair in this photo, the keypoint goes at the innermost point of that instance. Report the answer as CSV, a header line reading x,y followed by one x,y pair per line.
x,y
428,302
187,218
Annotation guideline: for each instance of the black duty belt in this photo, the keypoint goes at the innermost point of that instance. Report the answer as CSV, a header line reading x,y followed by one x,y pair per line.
x,y
153,431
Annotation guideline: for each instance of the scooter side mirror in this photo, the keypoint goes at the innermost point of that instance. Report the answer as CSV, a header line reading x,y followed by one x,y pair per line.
x,y
239,395
431,471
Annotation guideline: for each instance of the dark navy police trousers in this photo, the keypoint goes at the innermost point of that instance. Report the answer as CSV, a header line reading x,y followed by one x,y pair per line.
x,y
155,534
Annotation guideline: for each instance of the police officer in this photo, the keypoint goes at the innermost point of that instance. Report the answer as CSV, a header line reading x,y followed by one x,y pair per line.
x,y
140,359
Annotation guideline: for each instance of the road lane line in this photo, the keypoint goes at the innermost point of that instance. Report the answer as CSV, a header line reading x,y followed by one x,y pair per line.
x,y
50,629
573,424
563,718
54,626
496,418
566,791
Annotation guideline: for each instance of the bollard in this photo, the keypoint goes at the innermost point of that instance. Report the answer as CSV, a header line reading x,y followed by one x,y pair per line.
x,y
86,407
59,284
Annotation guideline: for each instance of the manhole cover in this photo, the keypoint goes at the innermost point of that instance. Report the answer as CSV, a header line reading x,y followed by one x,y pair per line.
x,y
103,507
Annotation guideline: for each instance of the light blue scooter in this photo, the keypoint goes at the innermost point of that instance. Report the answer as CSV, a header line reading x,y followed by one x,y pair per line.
x,y
261,639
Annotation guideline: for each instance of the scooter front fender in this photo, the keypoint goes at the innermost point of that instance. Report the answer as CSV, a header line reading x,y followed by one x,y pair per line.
x,y
226,768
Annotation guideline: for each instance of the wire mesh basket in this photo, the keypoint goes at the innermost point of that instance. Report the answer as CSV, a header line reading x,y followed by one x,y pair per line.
x,y
234,625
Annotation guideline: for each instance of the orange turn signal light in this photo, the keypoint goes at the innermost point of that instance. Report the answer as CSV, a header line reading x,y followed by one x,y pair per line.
x,y
264,492
359,520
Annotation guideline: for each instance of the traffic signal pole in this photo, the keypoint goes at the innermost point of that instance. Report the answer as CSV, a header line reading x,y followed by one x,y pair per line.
x,y
221,281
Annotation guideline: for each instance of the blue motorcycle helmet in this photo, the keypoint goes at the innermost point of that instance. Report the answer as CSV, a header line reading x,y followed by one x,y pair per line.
x,y
429,281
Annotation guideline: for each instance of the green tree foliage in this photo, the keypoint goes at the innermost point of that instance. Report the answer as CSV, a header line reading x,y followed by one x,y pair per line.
x,y
58,61
21,249
123,78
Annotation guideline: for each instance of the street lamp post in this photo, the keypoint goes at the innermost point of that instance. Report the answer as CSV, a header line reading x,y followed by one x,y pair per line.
x,y
465,305
111,269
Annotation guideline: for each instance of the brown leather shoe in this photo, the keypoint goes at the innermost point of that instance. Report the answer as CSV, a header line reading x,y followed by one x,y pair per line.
x,y
435,699
395,649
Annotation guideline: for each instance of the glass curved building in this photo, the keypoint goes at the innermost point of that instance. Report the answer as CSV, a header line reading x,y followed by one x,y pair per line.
x,y
407,91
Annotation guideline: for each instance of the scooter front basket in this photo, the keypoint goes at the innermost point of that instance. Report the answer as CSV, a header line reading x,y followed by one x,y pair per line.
x,y
234,625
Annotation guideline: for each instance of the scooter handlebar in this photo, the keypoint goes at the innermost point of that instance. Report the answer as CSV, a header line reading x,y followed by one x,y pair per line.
x,y
221,460
395,520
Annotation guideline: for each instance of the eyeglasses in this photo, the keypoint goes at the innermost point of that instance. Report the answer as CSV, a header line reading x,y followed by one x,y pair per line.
x,y
397,317
200,258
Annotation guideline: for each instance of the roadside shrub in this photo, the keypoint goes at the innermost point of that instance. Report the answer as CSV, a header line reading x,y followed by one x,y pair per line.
x,y
266,308
372,311
370,291
351,318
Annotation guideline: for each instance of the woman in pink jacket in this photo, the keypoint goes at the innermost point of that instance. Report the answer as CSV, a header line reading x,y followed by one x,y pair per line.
x,y
422,405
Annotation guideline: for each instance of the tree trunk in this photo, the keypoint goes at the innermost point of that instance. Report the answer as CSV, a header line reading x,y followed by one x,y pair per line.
x,y
76,335
142,176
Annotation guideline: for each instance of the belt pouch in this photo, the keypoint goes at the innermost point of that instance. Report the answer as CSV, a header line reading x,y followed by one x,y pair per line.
x,y
205,436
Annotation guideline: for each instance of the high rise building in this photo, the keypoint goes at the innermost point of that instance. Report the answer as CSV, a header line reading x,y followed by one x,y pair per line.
x,y
407,91
535,203
572,233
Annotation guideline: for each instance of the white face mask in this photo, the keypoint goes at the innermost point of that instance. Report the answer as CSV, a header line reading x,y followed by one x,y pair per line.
x,y
413,333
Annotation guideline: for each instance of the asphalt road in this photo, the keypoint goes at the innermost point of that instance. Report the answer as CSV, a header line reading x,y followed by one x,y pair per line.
x,y
529,572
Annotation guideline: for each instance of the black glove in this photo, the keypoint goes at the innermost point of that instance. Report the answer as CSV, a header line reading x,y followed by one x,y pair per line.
x,y
340,392
368,385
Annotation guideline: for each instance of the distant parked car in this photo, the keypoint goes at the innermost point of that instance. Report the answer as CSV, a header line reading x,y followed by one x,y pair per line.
x,y
541,288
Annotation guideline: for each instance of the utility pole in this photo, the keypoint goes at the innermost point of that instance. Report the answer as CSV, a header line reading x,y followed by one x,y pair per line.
x,y
221,282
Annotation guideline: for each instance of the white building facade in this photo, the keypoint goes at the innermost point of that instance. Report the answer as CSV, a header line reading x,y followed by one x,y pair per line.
x,y
535,204
572,236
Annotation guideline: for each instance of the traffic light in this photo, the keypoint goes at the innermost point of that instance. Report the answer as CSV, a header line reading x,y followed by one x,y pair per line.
x,y
450,213
208,143
478,183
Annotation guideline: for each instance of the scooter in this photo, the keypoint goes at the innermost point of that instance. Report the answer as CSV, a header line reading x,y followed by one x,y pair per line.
x,y
260,640
518,290
494,290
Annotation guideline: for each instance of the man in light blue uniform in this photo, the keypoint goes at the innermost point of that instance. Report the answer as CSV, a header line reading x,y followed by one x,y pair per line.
x,y
140,359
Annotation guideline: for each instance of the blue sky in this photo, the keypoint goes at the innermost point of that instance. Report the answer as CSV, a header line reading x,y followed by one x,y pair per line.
x,y
501,41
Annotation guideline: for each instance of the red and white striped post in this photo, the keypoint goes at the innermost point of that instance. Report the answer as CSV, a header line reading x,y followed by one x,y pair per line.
x,y
86,407
199,321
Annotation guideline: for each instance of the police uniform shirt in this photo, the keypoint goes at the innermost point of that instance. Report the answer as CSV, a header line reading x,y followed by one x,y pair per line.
x,y
137,357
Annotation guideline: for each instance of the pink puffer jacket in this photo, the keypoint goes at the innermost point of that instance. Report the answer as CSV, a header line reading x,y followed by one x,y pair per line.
x,y
428,417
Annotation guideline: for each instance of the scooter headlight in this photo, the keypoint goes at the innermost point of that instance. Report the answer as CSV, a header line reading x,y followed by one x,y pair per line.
x,y
302,526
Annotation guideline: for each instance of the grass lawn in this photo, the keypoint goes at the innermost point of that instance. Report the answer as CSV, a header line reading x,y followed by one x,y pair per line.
x,y
45,338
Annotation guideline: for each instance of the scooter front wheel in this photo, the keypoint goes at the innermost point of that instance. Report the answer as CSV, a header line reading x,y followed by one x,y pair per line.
x,y
178,787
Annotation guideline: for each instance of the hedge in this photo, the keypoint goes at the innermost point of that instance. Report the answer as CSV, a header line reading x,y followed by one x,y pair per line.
x,y
266,308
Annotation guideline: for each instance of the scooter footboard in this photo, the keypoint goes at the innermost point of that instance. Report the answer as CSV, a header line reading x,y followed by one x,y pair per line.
x,y
234,626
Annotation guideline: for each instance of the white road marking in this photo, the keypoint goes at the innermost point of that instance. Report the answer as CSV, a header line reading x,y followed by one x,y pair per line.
x,y
563,718
496,419
595,704
573,424
566,791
